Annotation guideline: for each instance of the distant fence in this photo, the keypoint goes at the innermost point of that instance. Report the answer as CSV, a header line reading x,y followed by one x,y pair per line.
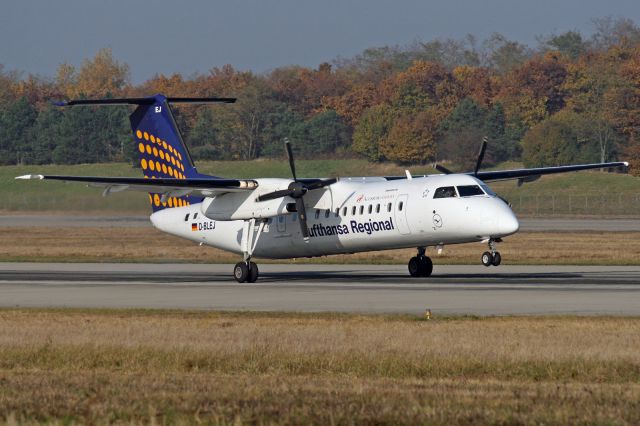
x,y
621,204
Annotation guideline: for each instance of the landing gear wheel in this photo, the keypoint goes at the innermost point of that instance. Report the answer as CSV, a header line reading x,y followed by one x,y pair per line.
x,y
241,272
487,259
426,266
253,273
497,259
420,266
414,267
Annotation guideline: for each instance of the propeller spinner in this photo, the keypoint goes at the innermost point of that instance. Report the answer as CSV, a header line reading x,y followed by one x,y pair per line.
x,y
297,190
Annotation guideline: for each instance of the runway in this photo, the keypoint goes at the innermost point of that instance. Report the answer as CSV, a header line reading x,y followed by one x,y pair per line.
x,y
471,289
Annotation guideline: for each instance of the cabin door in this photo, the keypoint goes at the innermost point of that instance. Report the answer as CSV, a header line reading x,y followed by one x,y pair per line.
x,y
401,214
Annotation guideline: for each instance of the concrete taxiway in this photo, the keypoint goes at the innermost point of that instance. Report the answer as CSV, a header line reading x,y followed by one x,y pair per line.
x,y
340,288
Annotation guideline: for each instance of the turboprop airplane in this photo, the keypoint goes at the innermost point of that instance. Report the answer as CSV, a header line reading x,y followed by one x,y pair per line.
x,y
307,217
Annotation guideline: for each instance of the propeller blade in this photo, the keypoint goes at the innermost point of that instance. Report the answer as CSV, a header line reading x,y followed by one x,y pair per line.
x,y
287,146
483,148
302,215
443,169
321,184
275,194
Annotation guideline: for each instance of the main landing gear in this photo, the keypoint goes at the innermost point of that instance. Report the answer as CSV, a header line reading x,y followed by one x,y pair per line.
x,y
491,257
247,271
420,265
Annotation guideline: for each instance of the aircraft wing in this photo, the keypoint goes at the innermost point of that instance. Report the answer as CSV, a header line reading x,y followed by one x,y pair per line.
x,y
532,174
525,175
202,187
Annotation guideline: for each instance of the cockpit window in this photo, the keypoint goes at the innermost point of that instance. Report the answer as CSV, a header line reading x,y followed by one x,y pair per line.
x,y
488,190
445,192
469,190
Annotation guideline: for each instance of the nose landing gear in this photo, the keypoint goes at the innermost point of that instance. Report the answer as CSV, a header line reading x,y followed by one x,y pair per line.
x,y
492,257
420,265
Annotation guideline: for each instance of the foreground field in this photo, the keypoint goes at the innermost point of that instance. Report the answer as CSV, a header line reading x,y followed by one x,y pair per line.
x,y
39,244
188,367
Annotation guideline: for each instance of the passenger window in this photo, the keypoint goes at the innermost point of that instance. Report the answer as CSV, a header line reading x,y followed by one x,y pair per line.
x,y
400,205
370,208
377,208
445,192
195,215
317,213
353,211
361,210
389,207
338,212
469,190
344,211
327,213
186,218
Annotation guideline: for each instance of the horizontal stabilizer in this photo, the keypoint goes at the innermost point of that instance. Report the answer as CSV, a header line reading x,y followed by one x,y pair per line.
x,y
142,101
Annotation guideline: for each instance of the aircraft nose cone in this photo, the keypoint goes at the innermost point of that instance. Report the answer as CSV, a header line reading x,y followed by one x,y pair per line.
x,y
508,223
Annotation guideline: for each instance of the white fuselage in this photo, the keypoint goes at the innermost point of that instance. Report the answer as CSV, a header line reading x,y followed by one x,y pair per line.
x,y
352,215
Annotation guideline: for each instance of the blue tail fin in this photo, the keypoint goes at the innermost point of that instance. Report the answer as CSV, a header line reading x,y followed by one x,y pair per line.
x,y
162,151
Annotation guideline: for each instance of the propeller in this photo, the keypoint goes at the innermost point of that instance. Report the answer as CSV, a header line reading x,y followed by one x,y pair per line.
x,y
483,148
297,190
443,169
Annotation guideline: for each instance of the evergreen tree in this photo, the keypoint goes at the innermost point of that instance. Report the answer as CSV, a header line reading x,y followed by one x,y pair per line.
x,y
324,133
16,121
203,137
44,136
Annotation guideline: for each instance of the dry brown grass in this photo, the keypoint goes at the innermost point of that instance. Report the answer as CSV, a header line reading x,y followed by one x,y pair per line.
x,y
150,245
181,367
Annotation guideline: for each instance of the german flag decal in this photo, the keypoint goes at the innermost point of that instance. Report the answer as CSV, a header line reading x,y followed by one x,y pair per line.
x,y
194,226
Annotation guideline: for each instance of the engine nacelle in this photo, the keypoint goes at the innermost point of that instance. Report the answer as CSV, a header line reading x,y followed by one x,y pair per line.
x,y
243,205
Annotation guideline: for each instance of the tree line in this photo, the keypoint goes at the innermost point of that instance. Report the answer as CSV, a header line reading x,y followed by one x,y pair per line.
x,y
570,99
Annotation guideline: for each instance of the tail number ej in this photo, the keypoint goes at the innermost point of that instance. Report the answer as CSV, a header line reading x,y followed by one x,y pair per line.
x,y
158,109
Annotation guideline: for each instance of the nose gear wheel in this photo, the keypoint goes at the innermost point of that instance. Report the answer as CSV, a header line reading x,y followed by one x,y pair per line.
x,y
420,265
493,257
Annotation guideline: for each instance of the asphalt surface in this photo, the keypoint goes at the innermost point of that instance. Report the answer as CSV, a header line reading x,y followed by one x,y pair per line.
x,y
526,224
338,288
